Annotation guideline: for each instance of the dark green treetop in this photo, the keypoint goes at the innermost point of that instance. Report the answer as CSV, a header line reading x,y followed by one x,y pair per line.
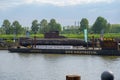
x,y
100,25
35,26
84,24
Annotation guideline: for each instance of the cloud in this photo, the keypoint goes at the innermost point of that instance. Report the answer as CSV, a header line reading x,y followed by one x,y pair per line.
x,y
67,2
12,3
5,4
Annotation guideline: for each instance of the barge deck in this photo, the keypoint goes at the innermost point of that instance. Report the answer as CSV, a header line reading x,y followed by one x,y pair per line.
x,y
67,51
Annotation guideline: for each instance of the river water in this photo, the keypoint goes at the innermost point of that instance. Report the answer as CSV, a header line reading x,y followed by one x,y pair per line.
x,y
19,66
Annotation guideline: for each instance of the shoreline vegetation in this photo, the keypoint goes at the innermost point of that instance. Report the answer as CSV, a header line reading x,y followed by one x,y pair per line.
x,y
4,45
8,40
10,31
76,36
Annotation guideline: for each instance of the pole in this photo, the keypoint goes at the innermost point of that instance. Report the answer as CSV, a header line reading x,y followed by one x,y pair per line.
x,y
85,35
35,41
93,42
73,77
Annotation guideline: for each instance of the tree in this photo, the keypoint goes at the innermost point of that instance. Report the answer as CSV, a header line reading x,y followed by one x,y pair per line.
x,y
115,28
107,29
1,30
23,30
54,26
17,27
11,29
43,26
6,26
84,24
100,25
35,26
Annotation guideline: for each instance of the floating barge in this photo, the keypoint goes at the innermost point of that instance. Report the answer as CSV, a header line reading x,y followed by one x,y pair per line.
x,y
62,45
58,46
66,51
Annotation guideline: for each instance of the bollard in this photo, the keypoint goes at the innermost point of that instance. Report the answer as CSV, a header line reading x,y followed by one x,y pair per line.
x,y
73,77
107,75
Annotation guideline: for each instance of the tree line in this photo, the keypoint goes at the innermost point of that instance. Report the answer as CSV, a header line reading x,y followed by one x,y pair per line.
x,y
100,25
36,27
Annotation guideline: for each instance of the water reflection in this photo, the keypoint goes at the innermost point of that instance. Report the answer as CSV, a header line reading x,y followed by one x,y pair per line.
x,y
111,58
17,66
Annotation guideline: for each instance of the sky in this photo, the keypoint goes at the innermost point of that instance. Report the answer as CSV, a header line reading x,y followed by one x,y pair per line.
x,y
66,12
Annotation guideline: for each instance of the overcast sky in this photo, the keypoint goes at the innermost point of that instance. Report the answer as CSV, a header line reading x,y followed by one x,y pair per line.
x,y
66,12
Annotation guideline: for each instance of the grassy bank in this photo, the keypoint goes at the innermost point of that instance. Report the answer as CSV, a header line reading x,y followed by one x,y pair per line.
x,y
79,36
3,36
8,39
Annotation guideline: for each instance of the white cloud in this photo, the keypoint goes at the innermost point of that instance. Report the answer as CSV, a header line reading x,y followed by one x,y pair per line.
x,y
67,2
4,4
11,3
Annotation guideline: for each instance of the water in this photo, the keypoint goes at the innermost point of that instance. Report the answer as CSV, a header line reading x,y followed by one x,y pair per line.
x,y
19,66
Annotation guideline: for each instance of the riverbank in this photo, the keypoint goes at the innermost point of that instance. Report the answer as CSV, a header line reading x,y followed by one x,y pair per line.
x,y
3,48
77,36
5,45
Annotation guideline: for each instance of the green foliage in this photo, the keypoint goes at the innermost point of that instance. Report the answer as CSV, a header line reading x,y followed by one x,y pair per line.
x,y
78,36
37,35
70,31
4,36
6,26
9,41
43,26
84,24
17,29
81,36
34,26
54,26
73,35
107,30
8,29
1,30
99,25
115,28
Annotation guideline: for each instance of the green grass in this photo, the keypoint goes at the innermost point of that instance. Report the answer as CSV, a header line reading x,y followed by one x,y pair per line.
x,y
37,35
110,35
80,36
6,36
73,35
